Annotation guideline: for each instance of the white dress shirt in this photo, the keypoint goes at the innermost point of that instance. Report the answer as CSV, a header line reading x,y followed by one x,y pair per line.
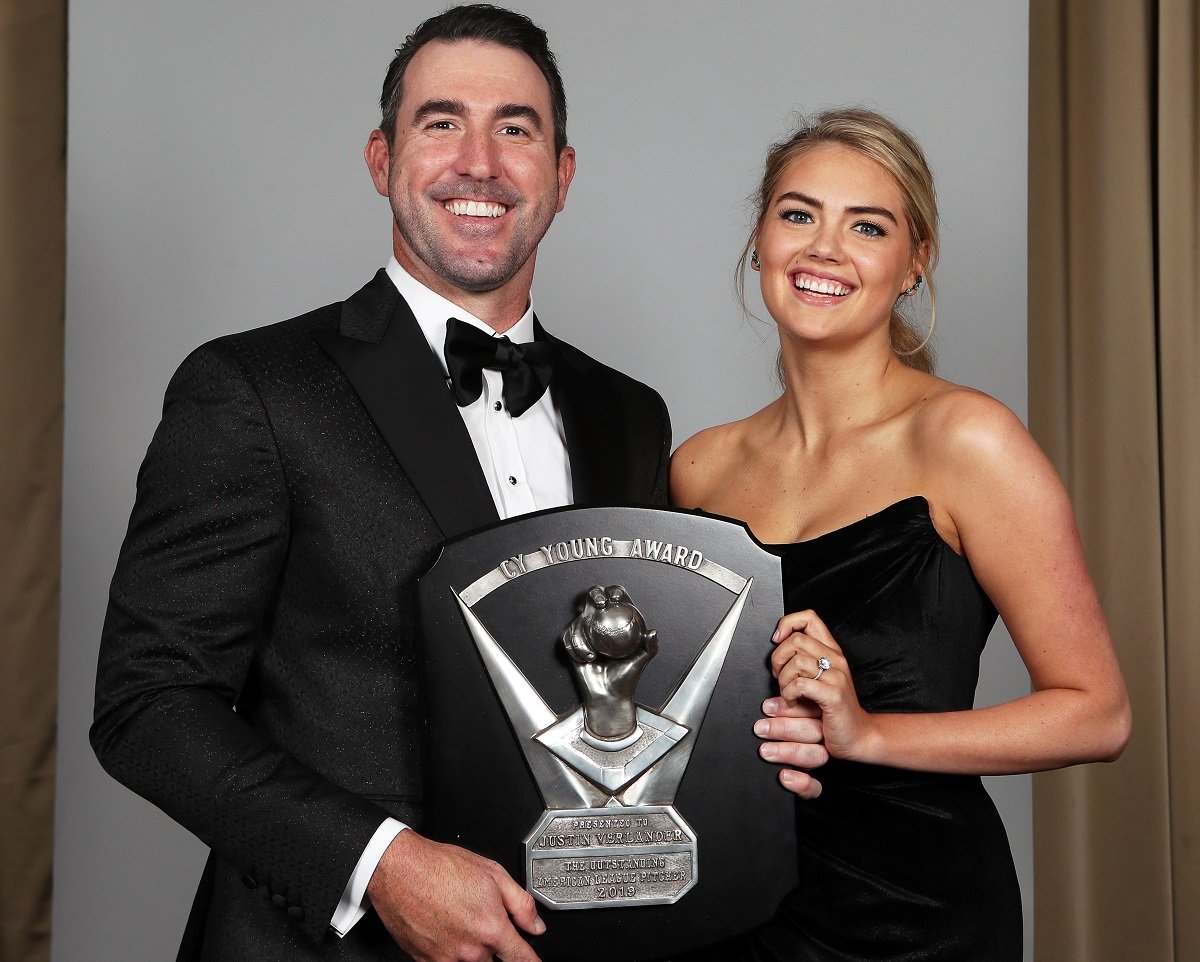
x,y
524,459
525,463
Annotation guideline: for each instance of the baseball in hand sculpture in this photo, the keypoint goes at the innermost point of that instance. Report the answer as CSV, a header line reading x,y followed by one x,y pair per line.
x,y
609,647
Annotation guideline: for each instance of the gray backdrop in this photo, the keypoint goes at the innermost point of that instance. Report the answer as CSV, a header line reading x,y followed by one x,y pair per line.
x,y
216,183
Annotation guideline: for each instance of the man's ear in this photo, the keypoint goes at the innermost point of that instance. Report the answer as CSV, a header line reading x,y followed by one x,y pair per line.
x,y
566,171
378,156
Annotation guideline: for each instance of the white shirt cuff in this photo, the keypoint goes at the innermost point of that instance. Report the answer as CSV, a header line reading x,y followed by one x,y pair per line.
x,y
354,902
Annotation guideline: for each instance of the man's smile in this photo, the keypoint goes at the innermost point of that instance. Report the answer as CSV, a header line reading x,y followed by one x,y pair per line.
x,y
475,208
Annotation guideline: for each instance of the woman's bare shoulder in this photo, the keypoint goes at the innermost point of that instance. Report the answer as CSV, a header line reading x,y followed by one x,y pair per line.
x,y
983,470
961,426
704,460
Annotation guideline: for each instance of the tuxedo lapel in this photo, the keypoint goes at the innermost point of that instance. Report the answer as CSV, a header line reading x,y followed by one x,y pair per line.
x,y
593,428
385,357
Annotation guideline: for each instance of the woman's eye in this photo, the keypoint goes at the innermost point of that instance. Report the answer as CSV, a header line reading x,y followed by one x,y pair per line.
x,y
868,229
797,216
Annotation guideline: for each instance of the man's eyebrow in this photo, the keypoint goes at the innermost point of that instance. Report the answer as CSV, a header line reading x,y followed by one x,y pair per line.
x,y
457,108
795,195
431,107
520,111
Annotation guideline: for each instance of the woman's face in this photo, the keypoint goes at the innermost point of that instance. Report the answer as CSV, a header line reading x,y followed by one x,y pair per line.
x,y
834,247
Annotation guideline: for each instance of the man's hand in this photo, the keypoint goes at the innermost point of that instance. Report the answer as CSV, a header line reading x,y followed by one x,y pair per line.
x,y
442,903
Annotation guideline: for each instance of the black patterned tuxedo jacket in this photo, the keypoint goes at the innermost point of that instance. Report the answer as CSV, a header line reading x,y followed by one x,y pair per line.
x,y
301,479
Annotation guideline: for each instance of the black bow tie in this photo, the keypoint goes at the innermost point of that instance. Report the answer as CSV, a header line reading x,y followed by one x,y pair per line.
x,y
525,368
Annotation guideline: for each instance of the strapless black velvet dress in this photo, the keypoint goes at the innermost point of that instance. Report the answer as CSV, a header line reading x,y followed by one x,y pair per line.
x,y
895,865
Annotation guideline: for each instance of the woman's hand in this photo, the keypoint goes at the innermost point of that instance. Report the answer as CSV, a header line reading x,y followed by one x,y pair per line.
x,y
795,737
813,677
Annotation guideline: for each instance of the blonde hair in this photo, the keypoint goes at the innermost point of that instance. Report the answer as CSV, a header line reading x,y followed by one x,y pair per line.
x,y
894,149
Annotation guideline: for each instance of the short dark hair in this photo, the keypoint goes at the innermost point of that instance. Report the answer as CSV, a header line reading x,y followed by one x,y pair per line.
x,y
486,23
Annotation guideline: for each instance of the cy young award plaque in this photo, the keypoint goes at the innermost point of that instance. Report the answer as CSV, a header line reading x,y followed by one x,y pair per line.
x,y
593,678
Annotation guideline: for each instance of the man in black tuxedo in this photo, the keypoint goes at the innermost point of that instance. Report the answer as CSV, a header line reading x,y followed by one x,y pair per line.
x,y
260,665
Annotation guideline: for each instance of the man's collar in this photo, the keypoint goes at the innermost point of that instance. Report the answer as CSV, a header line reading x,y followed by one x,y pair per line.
x,y
432,311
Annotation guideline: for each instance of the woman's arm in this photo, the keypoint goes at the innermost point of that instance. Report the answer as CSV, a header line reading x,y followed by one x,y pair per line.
x,y
994,493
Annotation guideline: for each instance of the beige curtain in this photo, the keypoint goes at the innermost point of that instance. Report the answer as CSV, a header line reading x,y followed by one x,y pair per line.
x,y
1114,341
32,230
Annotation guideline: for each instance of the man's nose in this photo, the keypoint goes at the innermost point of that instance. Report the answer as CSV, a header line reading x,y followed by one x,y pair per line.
x,y
479,155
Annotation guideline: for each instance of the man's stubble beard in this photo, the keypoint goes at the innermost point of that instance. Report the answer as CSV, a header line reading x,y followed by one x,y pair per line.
x,y
427,244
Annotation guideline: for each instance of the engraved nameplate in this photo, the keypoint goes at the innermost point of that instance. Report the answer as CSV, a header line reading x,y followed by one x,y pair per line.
x,y
617,857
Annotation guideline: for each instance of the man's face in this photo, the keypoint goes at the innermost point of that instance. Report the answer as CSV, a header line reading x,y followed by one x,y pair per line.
x,y
471,173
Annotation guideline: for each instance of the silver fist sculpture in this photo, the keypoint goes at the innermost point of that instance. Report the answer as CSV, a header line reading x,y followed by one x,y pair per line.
x,y
609,648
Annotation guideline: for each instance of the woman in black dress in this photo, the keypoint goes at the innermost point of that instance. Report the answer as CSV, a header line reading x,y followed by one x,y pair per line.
x,y
908,511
